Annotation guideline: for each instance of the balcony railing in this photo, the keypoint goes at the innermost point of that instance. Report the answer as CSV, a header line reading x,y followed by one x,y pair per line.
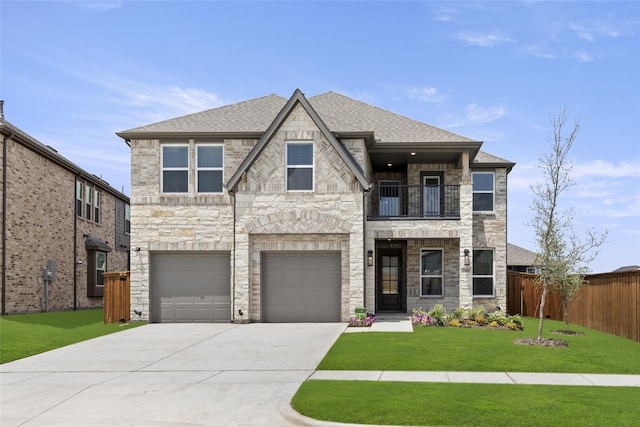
x,y
417,201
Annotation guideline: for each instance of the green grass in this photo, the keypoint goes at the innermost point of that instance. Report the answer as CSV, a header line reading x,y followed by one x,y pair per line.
x,y
24,335
438,404
459,349
450,404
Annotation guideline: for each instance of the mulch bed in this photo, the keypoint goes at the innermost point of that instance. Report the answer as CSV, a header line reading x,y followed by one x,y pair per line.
x,y
545,342
571,333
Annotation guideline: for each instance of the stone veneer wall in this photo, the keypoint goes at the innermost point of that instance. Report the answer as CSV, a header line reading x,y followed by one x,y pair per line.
x,y
471,231
266,215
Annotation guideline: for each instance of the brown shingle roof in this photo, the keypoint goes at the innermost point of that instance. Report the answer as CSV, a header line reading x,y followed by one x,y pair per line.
x,y
341,114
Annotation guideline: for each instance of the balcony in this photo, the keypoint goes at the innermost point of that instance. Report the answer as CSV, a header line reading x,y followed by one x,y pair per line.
x,y
415,201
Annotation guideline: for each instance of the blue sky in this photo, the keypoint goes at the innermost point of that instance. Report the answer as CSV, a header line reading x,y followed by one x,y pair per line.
x,y
74,73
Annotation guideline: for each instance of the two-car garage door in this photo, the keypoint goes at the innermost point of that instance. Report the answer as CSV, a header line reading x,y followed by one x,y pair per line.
x,y
190,287
301,286
295,287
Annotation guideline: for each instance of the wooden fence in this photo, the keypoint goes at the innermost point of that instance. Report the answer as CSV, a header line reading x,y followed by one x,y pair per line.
x,y
608,302
116,297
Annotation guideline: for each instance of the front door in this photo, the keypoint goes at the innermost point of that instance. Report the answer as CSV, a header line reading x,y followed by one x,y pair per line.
x,y
389,280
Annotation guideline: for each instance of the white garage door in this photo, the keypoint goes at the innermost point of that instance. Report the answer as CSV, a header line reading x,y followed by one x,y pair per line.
x,y
193,287
301,287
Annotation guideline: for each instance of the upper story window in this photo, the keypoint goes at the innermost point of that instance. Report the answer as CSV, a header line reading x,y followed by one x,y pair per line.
x,y
88,201
431,272
127,218
483,272
483,191
79,202
299,166
210,166
96,205
88,193
175,168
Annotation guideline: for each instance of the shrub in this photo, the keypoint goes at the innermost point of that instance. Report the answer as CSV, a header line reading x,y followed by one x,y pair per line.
x,y
497,316
437,313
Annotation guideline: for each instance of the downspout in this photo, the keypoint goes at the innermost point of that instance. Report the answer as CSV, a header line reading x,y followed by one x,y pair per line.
x,y
75,246
4,216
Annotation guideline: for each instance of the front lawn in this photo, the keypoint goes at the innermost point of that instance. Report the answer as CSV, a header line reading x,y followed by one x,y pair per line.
x,y
495,405
461,349
23,335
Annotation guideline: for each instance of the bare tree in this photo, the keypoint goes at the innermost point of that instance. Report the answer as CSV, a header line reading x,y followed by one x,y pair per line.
x,y
561,254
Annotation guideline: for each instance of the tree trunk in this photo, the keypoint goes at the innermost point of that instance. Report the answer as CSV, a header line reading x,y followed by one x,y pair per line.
x,y
565,307
542,299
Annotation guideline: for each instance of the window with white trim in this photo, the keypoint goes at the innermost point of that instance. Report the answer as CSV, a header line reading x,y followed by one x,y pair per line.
x,y
483,191
88,193
79,202
96,205
431,276
299,166
209,168
175,168
483,271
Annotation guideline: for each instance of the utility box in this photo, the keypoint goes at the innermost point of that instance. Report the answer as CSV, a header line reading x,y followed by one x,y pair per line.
x,y
117,295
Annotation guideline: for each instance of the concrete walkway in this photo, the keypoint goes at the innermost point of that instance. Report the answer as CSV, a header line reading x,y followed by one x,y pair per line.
x,y
483,377
205,375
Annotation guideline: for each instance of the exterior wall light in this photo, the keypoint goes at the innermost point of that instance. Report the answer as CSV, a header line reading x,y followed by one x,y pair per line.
x,y
467,259
370,258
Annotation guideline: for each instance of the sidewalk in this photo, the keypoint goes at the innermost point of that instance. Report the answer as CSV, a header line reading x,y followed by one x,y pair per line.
x,y
483,377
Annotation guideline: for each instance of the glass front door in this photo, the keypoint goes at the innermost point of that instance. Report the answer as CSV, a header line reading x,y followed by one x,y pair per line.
x,y
389,280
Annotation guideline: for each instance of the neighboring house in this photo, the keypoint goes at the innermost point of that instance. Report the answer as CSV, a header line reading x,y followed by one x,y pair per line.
x,y
627,268
521,260
301,210
57,216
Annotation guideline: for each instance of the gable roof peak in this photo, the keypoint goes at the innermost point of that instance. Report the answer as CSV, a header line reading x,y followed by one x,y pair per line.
x,y
298,98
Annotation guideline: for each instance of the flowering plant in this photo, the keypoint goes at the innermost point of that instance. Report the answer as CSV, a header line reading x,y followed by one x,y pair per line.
x,y
362,321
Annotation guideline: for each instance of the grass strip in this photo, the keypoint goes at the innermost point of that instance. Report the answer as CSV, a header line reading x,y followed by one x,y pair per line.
x,y
463,349
438,404
23,335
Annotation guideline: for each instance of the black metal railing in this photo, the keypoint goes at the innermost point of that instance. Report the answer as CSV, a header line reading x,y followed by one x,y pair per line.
x,y
420,201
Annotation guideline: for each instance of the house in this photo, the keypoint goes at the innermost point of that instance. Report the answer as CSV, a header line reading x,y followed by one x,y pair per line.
x,y
521,259
302,209
62,227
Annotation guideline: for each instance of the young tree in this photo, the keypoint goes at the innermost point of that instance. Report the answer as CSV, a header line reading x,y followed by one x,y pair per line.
x,y
562,256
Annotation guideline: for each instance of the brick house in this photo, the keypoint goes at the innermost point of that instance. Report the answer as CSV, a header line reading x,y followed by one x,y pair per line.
x,y
302,209
57,215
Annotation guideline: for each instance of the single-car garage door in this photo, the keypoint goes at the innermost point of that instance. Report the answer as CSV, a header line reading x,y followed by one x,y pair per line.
x,y
193,287
301,287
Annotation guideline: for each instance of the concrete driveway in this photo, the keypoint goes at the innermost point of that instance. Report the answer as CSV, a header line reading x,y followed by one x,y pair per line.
x,y
168,375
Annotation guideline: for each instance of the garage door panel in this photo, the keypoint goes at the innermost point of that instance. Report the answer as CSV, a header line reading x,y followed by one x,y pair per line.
x,y
301,287
191,287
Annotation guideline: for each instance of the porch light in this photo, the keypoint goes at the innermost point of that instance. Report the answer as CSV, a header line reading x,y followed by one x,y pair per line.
x,y
370,258
467,259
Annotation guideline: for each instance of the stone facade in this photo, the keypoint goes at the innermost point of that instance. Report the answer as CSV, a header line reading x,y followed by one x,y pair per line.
x,y
255,214
41,226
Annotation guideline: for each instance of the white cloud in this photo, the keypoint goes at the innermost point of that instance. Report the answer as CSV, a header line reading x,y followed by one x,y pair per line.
x,y
483,39
595,32
538,51
426,94
582,56
99,5
600,168
480,115
445,14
